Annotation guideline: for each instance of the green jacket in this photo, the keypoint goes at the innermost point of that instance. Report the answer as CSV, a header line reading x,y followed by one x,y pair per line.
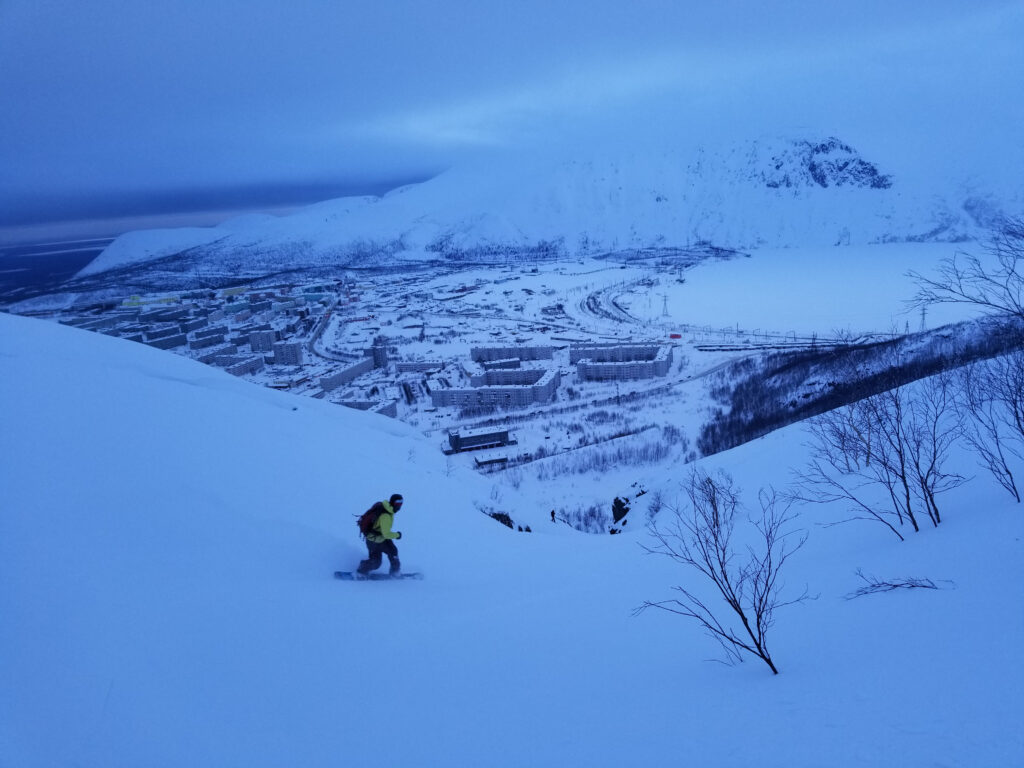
x,y
382,528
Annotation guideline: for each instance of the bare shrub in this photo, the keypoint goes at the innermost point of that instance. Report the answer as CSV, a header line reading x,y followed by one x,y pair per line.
x,y
896,442
933,426
963,278
748,582
991,400
873,585
638,450
592,519
654,505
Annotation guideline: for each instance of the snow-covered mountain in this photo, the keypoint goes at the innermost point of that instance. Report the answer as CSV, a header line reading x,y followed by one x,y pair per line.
x,y
168,532
763,193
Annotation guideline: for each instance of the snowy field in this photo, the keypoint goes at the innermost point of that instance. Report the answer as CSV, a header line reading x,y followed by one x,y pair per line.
x,y
854,289
166,543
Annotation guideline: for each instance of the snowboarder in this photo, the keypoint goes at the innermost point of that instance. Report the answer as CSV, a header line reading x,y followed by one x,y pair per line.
x,y
381,539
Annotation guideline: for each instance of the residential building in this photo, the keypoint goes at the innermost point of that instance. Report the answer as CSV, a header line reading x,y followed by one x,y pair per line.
x,y
616,362
245,365
518,388
168,342
379,352
419,365
288,353
344,376
206,342
262,341
487,354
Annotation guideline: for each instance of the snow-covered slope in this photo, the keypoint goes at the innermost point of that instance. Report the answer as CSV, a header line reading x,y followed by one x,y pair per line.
x,y
764,193
167,535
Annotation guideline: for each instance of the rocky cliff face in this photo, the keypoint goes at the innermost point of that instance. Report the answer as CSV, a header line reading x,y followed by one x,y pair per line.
x,y
828,163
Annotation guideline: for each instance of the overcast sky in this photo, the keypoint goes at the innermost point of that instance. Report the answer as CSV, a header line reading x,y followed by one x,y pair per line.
x,y
125,107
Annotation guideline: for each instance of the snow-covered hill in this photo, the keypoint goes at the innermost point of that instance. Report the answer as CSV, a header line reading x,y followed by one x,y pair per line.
x,y
167,534
763,193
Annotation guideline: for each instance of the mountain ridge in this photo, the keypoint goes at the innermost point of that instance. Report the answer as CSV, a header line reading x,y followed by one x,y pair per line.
x,y
774,192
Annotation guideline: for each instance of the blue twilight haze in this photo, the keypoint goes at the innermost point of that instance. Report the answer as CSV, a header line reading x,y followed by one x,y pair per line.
x,y
124,108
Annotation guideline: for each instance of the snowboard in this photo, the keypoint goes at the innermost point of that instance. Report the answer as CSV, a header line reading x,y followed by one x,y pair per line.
x,y
353,576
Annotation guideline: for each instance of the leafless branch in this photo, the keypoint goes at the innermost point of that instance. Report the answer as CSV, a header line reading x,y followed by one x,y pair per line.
x,y
749,586
873,585
991,403
892,446
963,278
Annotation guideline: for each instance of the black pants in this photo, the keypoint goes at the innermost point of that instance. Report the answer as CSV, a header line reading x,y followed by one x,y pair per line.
x,y
377,550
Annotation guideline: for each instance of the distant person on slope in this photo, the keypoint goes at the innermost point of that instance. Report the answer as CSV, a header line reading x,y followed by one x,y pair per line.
x,y
380,540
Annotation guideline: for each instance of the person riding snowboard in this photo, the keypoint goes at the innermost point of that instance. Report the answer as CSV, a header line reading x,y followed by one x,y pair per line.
x,y
381,539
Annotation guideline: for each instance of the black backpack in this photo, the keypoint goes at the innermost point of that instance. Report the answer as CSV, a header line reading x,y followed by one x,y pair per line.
x,y
368,520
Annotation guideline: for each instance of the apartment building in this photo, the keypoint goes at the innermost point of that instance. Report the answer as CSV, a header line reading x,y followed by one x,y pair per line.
x,y
344,376
617,362
288,353
489,354
502,388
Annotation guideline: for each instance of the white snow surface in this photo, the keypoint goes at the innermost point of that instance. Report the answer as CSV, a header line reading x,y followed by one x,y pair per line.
x,y
168,533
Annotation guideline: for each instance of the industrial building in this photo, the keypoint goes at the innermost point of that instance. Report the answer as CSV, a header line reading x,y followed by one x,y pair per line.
x,y
477,440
